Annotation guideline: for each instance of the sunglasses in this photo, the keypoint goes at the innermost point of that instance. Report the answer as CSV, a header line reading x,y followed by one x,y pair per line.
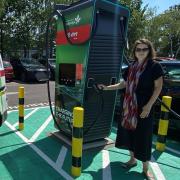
x,y
142,49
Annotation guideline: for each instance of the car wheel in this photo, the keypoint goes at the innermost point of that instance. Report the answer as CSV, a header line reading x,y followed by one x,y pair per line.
x,y
23,77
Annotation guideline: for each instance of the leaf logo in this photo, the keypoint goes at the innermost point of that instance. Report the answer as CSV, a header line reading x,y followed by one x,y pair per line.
x,y
77,19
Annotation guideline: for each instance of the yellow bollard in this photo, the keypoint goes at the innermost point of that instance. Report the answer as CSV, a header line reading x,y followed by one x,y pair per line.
x,y
163,124
77,140
21,108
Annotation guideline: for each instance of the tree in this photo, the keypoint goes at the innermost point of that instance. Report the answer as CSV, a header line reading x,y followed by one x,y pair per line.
x,y
28,21
2,5
137,21
164,30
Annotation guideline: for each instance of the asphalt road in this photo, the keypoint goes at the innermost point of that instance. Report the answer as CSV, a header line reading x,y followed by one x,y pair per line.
x,y
35,94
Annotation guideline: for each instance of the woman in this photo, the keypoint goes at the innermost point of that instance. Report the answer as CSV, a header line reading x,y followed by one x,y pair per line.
x,y
143,83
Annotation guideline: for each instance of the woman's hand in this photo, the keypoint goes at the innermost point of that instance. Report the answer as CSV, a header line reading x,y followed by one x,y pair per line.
x,y
145,111
102,86
117,86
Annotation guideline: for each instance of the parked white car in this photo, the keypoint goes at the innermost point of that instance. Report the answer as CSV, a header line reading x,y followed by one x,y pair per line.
x,y
3,100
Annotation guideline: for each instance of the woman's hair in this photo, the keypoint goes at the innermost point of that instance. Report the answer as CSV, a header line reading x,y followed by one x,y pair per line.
x,y
151,54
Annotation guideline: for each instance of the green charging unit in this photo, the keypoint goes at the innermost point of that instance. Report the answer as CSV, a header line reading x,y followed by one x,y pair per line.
x,y
90,53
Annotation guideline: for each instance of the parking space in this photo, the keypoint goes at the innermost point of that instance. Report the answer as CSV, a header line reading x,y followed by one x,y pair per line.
x,y
34,154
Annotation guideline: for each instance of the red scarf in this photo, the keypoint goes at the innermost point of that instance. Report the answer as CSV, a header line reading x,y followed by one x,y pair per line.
x,y
130,108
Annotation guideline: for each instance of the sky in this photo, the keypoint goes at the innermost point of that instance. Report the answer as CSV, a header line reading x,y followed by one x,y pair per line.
x,y
161,5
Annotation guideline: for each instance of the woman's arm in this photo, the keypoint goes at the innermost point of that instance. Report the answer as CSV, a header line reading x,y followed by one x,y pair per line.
x,y
117,86
157,89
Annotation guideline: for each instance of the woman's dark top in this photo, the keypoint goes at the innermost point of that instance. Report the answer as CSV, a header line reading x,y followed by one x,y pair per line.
x,y
140,140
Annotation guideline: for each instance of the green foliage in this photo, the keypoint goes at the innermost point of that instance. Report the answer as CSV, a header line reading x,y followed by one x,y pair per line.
x,y
164,30
23,25
28,20
2,5
136,26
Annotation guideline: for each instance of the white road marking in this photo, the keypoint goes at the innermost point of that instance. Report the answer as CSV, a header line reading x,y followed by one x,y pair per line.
x,y
30,105
14,107
173,150
38,132
35,105
157,171
11,93
106,162
41,107
61,157
40,153
106,165
170,149
28,115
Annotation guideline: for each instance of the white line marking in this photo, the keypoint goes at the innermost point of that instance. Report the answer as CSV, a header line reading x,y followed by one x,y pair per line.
x,y
17,132
155,168
29,114
106,165
31,105
30,108
11,93
170,149
37,133
61,157
14,107
40,153
35,105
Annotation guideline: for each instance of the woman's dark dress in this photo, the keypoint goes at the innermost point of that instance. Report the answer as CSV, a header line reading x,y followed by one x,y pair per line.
x,y
140,140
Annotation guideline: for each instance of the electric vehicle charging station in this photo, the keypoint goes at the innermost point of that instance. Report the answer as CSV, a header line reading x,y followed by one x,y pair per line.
x,y
90,42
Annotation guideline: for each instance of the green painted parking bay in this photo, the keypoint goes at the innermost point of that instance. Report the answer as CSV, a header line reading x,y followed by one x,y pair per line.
x,y
34,154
